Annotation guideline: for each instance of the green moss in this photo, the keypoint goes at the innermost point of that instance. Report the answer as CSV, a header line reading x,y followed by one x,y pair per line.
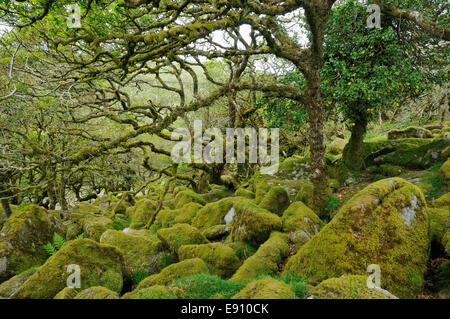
x,y
220,259
154,292
305,194
183,215
266,288
67,293
439,222
442,202
301,223
252,223
444,172
217,193
216,232
242,249
214,213
184,268
180,234
384,224
24,235
141,213
409,132
266,259
244,193
276,200
97,293
205,286
94,227
390,170
10,286
336,147
348,287
184,197
100,265
139,252
446,241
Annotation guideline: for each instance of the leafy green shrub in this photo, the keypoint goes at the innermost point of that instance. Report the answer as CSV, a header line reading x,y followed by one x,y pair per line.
x,y
204,286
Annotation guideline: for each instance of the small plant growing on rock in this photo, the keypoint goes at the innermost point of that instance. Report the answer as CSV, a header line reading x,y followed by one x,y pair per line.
x,y
58,242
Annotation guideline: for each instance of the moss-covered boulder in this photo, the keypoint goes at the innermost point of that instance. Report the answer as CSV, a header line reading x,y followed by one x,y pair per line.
x,y
183,215
67,293
444,172
155,292
385,224
100,265
242,249
442,202
184,197
276,200
409,132
409,152
390,170
94,227
217,232
446,241
253,224
173,272
305,194
141,213
266,288
140,252
216,193
439,223
97,292
9,287
180,234
244,193
349,287
266,259
23,237
301,223
214,213
220,259
337,146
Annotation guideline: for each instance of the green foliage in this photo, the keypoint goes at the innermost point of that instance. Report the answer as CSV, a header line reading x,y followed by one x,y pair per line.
x,y
58,243
333,203
138,276
117,225
204,286
433,179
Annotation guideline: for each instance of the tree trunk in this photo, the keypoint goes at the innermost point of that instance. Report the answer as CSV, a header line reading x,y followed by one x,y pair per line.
x,y
319,175
353,152
5,202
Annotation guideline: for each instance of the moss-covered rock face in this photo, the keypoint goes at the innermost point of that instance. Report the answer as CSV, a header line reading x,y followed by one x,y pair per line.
x,y
337,146
220,259
253,224
23,237
266,259
140,252
390,170
305,194
266,288
446,241
180,234
183,215
94,227
100,265
141,212
214,213
173,272
184,197
9,287
407,152
409,132
439,222
276,200
97,293
217,232
385,224
301,223
442,202
349,287
155,292
216,193
444,172
242,249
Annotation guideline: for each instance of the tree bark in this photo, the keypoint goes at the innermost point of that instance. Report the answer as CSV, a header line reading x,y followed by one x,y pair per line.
x,y
353,152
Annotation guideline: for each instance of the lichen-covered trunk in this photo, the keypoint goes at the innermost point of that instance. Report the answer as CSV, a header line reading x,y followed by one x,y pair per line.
x,y
319,176
353,153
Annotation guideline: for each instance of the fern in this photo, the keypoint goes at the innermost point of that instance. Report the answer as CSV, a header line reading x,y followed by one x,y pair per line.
x,y
138,276
50,249
80,236
58,241
117,225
